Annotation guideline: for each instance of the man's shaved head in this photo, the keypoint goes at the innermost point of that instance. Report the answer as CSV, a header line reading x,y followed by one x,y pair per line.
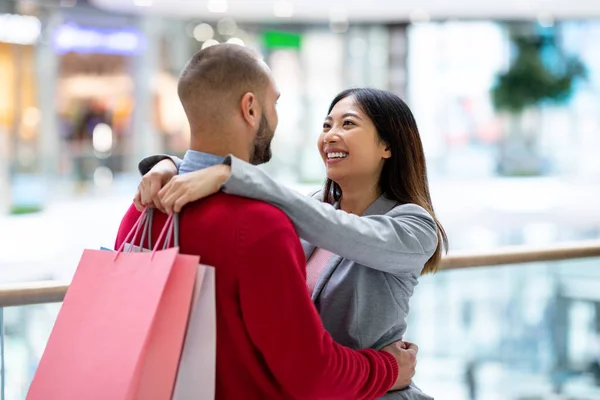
x,y
227,90
215,79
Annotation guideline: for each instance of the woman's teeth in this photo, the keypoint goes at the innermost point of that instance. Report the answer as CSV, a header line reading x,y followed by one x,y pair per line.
x,y
336,155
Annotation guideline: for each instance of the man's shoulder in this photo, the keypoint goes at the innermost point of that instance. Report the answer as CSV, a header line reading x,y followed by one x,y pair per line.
x,y
240,208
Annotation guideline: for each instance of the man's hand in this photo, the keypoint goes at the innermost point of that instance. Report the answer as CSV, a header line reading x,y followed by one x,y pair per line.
x,y
405,354
152,182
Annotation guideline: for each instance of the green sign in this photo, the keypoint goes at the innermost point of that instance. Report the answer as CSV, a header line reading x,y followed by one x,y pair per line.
x,y
281,40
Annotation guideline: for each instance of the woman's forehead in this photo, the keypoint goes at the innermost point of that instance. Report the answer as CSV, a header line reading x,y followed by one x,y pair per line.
x,y
347,104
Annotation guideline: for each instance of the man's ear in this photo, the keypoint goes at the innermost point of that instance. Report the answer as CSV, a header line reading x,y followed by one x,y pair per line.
x,y
250,109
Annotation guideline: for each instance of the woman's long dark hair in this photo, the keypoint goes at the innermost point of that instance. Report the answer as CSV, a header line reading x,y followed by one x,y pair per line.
x,y
404,174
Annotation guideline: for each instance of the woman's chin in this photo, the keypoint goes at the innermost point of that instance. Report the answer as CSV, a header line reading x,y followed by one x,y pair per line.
x,y
334,176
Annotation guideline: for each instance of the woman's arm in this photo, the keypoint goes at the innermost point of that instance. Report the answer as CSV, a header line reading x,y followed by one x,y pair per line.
x,y
399,242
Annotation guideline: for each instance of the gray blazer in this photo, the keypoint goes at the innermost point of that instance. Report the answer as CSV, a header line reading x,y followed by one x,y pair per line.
x,y
363,293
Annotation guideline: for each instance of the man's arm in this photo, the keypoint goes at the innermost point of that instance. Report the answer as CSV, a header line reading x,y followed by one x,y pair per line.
x,y
284,325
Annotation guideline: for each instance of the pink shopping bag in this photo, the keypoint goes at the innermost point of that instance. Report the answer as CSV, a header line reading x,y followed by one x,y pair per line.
x,y
121,328
197,366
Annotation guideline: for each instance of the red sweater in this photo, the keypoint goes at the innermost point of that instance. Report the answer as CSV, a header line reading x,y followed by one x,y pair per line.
x,y
271,343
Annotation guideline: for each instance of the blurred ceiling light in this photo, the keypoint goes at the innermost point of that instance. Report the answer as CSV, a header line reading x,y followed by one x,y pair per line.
x,y
236,40
31,117
545,19
419,16
226,26
209,43
203,32
103,176
217,6
102,138
68,3
19,29
338,22
143,3
338,16
283,8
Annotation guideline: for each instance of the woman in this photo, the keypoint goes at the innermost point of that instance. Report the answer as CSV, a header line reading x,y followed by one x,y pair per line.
x,y
368,235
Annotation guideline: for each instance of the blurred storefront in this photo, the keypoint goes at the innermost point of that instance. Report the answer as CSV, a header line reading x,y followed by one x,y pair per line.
x,y
19,112
95,97
116,91
93,93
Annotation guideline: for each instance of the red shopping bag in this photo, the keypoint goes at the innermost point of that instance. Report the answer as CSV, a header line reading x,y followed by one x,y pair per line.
x,y
120,331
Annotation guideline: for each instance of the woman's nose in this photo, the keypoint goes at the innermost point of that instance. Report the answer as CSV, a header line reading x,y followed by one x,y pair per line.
x,y
331,137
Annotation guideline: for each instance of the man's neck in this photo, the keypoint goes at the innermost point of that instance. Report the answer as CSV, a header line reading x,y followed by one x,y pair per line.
x,y
355,199
222,147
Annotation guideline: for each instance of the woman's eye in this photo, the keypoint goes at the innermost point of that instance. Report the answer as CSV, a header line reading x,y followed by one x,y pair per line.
x,y
326,126
349,123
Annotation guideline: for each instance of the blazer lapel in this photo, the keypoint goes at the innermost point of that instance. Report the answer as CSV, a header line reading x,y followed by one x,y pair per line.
x,y
325,276
379,207
308,248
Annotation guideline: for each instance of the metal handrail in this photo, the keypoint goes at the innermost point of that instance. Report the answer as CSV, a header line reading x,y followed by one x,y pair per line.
x,y
20,294
27,293
522,254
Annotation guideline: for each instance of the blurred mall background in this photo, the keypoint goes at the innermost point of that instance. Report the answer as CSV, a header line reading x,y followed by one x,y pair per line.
x,y
506,95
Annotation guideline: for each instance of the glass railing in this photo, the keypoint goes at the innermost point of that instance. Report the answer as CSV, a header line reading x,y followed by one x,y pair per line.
x,y
517,332
514,324
27,316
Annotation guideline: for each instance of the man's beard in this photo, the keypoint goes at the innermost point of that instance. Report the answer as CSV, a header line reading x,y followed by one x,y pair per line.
x,y
262,143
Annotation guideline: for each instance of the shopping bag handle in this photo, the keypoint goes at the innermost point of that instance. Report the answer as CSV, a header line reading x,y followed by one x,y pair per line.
x,y
173,233
133,232
147,232
168,227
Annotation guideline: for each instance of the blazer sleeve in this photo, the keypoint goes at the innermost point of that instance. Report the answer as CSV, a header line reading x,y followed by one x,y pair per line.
x,y
148,162
399,242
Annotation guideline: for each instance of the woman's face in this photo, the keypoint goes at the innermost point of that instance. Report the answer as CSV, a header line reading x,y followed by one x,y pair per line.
x,y
350,146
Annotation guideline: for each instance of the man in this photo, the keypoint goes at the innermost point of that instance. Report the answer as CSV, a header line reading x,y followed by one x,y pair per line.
x,y
271,343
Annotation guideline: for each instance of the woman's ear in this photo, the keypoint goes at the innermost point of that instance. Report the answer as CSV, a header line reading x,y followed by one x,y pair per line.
x,y
387,152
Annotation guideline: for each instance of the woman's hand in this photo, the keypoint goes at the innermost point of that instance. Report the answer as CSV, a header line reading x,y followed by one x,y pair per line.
x,y
152,182
184,189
